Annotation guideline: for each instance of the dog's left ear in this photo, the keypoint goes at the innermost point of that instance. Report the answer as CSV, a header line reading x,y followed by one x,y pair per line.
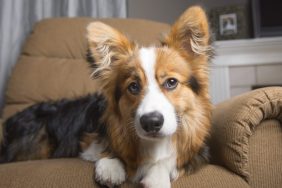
x,y
190,32
107,46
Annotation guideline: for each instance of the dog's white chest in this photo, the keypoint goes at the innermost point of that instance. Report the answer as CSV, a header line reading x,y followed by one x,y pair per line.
x,y
160,161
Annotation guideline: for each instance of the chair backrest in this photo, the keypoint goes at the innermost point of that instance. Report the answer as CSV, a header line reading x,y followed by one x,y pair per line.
x,y
53,61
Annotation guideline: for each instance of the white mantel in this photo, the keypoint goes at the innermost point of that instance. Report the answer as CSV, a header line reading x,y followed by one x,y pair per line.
x,y
240,53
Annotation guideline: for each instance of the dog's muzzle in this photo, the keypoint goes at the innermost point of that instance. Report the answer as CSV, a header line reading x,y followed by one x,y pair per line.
x,y
152,122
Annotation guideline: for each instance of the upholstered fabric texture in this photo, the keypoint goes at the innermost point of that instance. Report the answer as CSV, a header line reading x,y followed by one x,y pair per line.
x,y
75,173
234,125
265,154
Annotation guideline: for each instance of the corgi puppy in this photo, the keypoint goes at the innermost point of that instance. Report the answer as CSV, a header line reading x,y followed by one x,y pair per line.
x,y
150,119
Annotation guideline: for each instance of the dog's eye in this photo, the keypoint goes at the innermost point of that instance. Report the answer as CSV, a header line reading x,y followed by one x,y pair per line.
x,y
134,88
170,84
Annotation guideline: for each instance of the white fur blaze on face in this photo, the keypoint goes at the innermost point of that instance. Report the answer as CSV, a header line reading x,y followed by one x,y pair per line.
x,y
154,100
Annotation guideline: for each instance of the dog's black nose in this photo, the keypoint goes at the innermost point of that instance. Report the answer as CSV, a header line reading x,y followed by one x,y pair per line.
x,y
152,122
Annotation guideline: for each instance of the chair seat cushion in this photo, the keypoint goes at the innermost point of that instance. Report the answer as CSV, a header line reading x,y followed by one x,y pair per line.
x,y
79,173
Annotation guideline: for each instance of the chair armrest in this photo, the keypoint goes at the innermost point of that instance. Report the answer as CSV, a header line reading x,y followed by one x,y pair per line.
x,y
234,121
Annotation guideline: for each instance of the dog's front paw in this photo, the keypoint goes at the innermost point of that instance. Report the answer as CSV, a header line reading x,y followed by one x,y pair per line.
x,y
109,172
156,177
150,182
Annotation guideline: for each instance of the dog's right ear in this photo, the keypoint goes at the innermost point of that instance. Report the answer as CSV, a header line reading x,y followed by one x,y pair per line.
x,y
107,46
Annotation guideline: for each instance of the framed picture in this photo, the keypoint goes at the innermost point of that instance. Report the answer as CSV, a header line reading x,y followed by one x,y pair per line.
x,y
231,22
228,24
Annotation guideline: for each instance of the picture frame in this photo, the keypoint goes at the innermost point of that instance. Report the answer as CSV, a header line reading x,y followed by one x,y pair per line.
x,y
231,22
228,24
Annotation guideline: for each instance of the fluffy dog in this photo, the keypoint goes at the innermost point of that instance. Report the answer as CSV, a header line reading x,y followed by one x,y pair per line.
x,y
149,121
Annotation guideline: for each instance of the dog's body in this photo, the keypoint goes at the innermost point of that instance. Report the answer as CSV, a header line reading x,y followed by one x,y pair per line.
x,y
148,124
52,130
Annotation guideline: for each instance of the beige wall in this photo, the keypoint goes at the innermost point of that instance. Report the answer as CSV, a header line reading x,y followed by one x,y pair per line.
x,y
169,10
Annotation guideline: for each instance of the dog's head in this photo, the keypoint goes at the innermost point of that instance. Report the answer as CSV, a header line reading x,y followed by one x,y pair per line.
x,y
153,88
